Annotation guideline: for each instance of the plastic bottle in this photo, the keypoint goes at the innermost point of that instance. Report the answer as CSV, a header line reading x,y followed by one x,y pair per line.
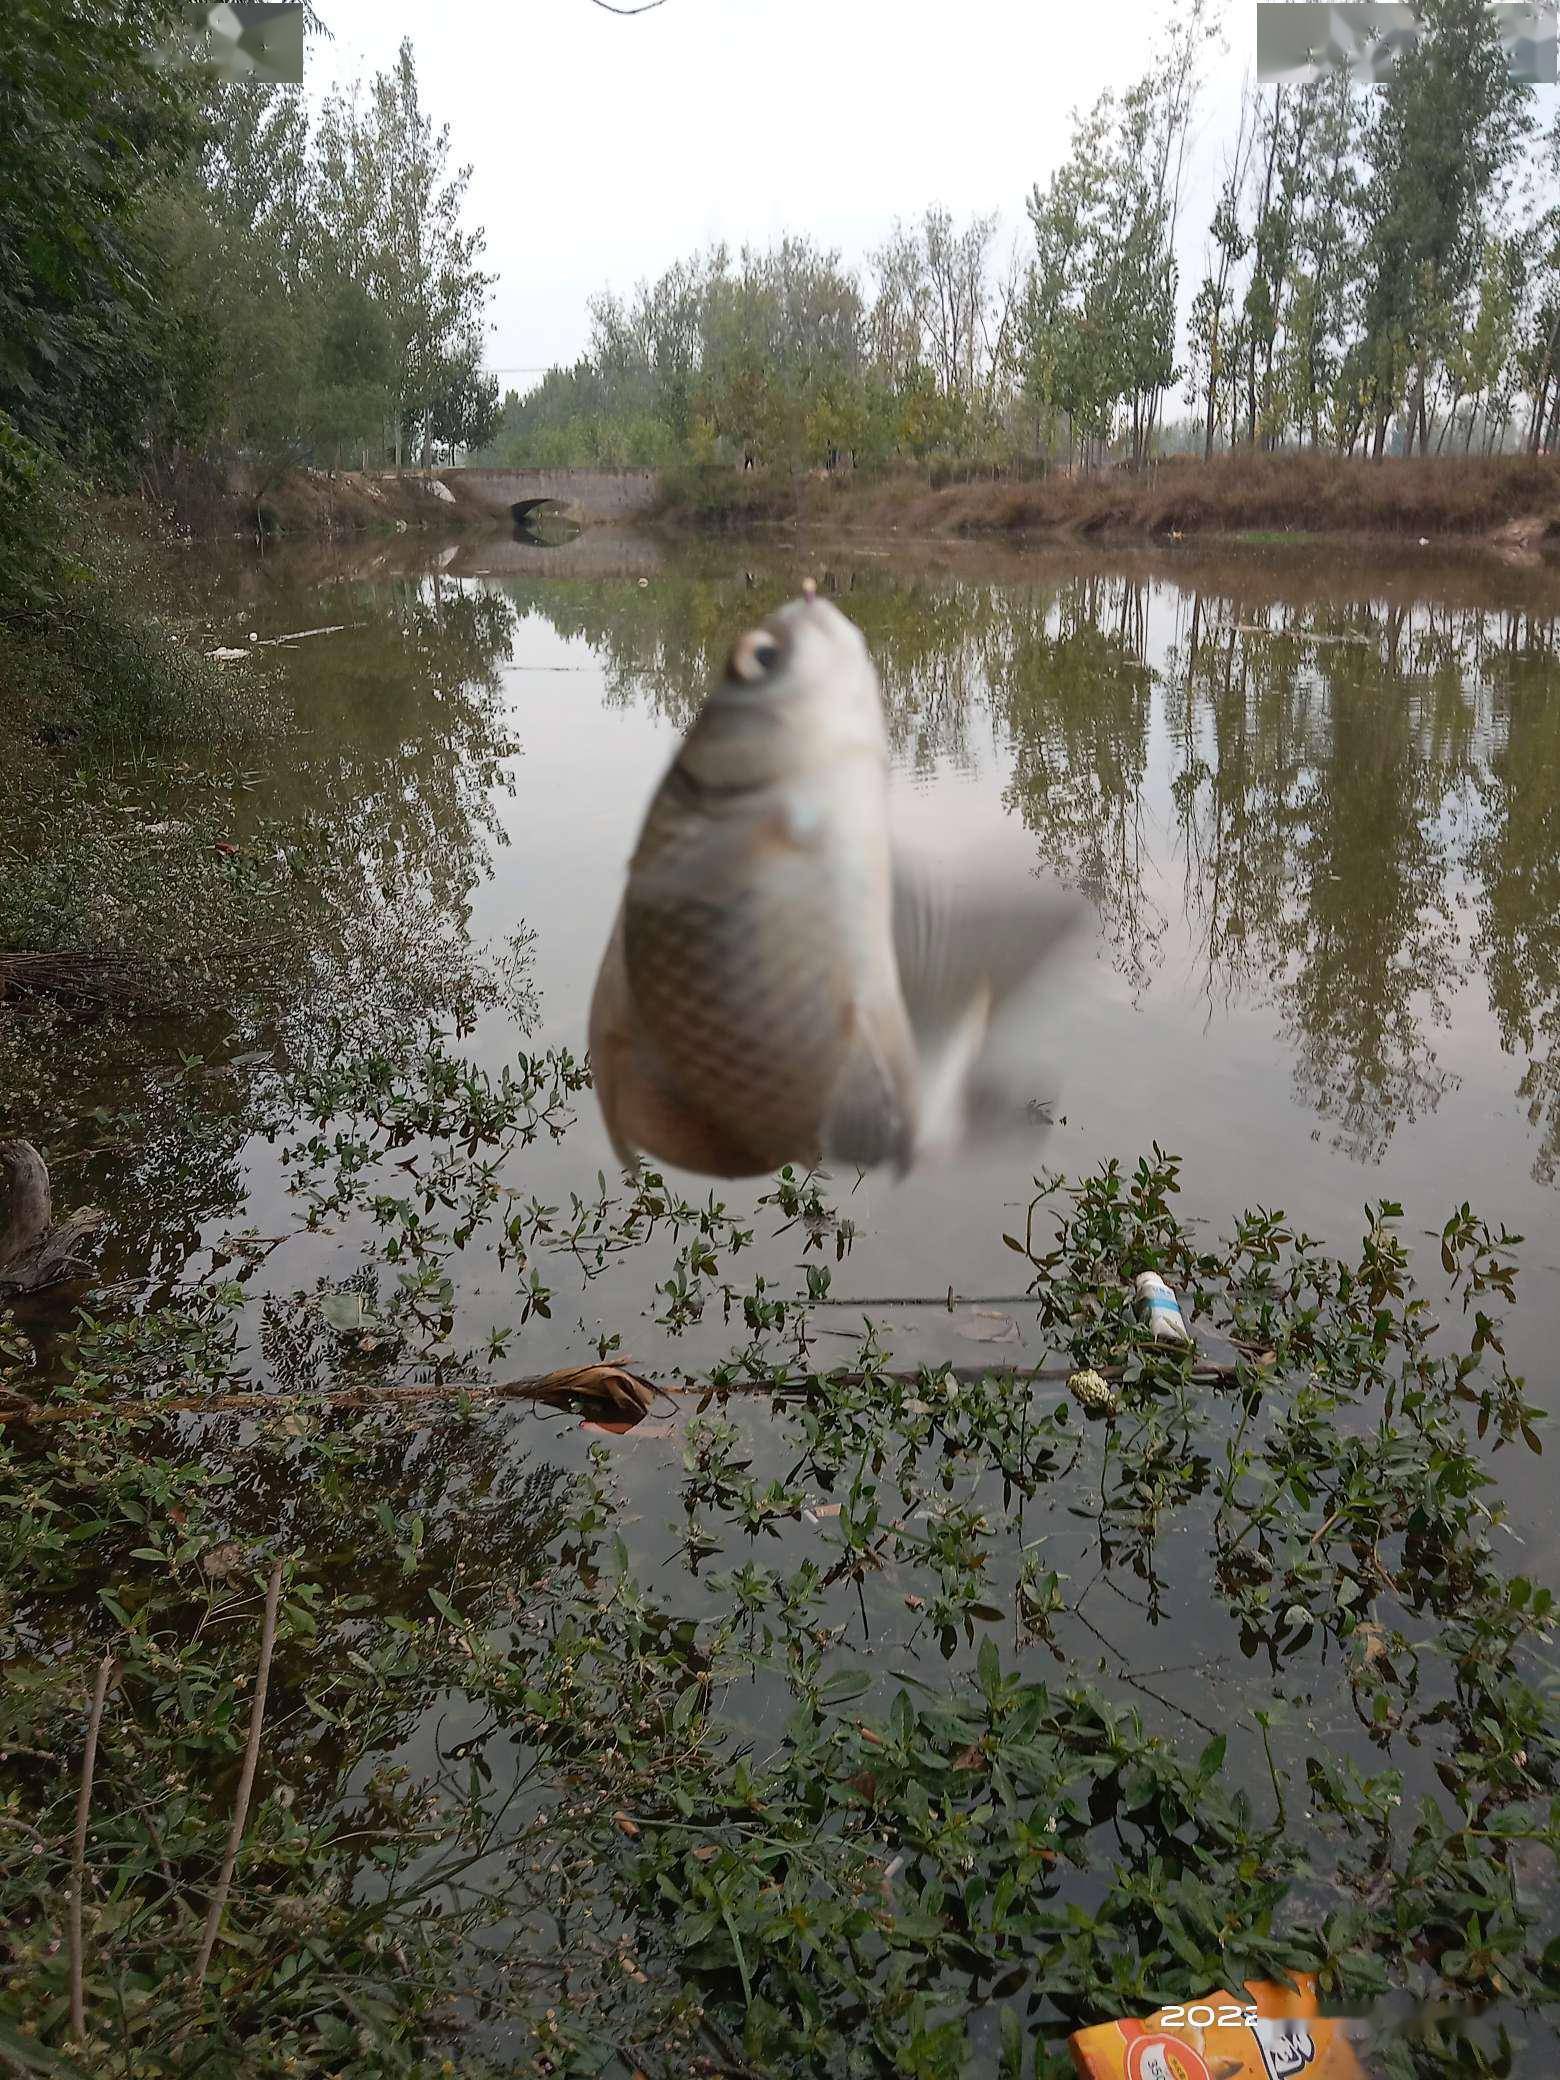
x,y
1157,1306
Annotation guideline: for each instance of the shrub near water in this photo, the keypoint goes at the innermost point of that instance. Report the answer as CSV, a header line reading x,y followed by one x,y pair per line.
x,y
81,663
732,1814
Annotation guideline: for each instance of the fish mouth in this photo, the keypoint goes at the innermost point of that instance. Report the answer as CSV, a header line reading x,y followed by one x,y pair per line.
x,y
761,652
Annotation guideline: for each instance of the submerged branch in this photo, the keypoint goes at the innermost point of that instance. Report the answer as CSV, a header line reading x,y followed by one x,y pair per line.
x,y
142,984
612,1387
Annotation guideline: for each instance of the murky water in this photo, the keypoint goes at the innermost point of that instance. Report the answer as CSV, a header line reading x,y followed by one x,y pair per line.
x,y
1314,800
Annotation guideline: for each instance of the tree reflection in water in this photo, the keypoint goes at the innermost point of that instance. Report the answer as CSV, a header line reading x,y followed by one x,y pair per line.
x,y
1353,767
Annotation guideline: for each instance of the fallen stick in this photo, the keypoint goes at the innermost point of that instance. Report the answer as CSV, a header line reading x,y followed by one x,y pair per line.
x,y
78,1853
246,1785
298,634
624,1392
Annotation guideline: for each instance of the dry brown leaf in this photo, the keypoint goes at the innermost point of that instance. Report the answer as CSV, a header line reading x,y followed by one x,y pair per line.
x,y
620,1390
1374,1639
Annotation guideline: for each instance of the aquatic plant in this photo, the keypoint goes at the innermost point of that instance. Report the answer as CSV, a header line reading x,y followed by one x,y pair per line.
x,y
828,1786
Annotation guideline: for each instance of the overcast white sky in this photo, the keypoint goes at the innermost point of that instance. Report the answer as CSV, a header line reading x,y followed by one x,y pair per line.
x,y
604,148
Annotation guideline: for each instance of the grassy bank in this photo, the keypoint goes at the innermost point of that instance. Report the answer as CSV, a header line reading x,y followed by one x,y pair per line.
x,y
1513,500
92,643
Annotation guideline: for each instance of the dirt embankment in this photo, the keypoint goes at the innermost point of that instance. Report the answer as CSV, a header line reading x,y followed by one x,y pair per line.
x,y
209,500
1512,500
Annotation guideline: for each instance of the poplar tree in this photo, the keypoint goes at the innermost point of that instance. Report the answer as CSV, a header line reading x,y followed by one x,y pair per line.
x,y
392,207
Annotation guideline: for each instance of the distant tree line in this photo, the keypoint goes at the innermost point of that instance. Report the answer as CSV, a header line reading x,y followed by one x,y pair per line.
x,y
1381,274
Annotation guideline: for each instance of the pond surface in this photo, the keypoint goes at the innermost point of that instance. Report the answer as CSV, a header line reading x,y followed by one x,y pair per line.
x,y
1312,797
1315,803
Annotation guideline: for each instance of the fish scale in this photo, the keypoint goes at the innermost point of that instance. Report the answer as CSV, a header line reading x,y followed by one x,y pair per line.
x,y
747,1009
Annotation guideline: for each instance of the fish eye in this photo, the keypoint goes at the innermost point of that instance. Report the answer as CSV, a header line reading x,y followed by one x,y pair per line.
x,y
753,655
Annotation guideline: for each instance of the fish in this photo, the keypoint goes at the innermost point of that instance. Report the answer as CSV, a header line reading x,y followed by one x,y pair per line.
x,y
782,983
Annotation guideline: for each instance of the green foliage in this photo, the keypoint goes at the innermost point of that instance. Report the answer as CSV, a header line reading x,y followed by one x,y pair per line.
x,y
90,126
697,1805
325,273
176,276
1374,269
777,359
390,213
80,659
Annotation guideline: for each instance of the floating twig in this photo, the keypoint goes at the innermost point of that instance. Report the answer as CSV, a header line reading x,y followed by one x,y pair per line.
x,y
949,1300
298,634
612,1386
78,1853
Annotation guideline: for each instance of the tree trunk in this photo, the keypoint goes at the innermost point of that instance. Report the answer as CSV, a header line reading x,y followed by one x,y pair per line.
x,y
1208,434
1540,406
1546,370
35,1249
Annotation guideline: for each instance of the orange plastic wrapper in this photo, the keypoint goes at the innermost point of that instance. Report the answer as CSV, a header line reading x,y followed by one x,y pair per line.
x,y
1219,2038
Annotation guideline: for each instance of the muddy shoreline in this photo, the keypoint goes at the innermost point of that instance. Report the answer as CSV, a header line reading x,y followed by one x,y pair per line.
x,y
1507,505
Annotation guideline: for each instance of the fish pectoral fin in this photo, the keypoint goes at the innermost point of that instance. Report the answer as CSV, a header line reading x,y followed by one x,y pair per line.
x,y
947,1073
870,1116
951,940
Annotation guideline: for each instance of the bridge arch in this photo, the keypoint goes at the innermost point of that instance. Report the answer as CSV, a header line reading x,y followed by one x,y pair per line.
x,y
575,494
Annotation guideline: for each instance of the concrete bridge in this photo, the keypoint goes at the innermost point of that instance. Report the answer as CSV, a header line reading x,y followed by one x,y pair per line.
x,y
575,494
